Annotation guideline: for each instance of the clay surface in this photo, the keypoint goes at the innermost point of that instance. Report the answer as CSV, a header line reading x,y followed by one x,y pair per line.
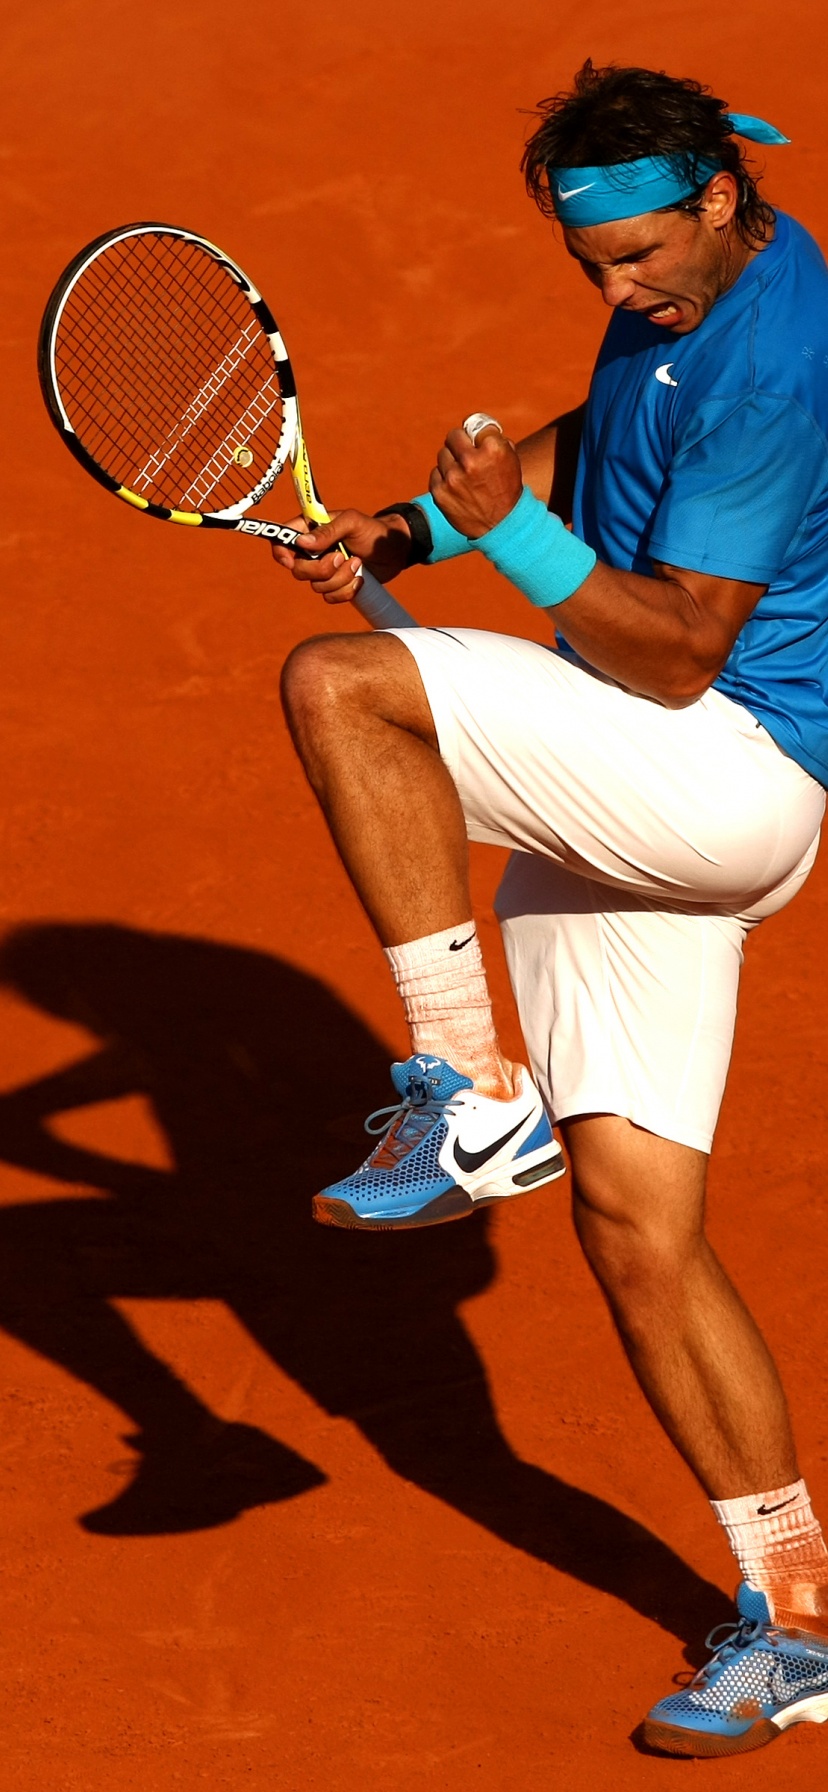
x,y
287,1508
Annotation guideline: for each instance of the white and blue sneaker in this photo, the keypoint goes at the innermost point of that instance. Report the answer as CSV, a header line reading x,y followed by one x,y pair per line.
x,y
760,1680
444,1151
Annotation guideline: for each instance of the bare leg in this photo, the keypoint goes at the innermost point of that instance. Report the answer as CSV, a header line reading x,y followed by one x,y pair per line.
x,y
364,732
363,729
694,1348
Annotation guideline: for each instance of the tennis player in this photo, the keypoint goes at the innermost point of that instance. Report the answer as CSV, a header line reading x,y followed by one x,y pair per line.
x,y
660,776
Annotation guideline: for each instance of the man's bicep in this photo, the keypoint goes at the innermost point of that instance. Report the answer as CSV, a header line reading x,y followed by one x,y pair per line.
x,y
719,609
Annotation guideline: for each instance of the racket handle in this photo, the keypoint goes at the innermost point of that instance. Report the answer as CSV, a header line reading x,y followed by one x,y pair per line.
x,y
372,600
379,607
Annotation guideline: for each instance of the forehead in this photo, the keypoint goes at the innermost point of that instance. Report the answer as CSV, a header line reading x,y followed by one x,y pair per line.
x,y
627,238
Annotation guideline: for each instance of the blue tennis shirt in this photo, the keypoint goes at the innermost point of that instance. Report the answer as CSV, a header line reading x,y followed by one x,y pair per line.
x,y
710,452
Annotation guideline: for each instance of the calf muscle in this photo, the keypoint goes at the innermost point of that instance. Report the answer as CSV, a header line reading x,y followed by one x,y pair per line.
x,y
692,1344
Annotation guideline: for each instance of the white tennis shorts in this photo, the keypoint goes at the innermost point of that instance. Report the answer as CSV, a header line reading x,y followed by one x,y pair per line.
x,y
648,842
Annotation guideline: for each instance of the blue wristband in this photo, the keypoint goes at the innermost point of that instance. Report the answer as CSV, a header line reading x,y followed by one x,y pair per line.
x,y
448,542
532,548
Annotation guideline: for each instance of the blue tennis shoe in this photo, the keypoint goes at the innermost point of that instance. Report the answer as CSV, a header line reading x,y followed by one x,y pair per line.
x,y
759,1681
445,1150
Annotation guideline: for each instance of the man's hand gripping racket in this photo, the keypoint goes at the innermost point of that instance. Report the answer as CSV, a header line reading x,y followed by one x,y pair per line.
x,y
166,376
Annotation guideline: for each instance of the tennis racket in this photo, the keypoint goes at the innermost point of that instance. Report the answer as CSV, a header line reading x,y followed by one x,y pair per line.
x,y
166,376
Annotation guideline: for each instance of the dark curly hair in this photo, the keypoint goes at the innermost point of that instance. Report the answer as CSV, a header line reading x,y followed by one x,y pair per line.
x,y
620,114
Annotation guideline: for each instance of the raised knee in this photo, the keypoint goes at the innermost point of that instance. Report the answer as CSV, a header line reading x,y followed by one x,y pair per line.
x,y
333,686
314,677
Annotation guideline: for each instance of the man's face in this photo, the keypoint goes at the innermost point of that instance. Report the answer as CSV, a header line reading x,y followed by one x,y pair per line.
x,y
667,266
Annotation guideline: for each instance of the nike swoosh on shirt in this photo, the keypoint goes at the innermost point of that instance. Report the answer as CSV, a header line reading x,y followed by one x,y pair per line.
x,y
474,1160
573,190
765,1511
664,375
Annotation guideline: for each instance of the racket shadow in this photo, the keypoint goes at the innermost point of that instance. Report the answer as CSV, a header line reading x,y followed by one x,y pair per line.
x,y
257,1074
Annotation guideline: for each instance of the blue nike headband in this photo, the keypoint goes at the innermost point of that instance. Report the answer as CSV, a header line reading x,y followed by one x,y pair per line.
x,y
584,196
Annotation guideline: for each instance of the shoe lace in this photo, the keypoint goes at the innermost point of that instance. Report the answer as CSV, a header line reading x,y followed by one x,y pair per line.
x,y
405,1123
736,1638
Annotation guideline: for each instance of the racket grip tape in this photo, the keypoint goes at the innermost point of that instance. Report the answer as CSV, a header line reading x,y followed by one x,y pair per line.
x,y
379,607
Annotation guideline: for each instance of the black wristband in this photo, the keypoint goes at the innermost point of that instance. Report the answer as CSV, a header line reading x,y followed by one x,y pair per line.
x,y
421,537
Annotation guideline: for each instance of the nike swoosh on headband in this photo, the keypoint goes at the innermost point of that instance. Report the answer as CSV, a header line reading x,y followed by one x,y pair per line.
x,y
474,1160
573,190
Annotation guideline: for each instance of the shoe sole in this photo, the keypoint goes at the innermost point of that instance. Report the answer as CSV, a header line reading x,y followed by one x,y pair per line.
x,y
453,1204
673,1739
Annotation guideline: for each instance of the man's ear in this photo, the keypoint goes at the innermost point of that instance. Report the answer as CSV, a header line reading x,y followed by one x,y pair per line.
x,y
721,198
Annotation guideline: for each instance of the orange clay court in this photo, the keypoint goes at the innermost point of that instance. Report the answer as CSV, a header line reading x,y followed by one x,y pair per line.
x,y
287,1509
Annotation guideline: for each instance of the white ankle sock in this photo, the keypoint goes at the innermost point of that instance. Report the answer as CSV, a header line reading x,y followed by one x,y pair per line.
x,y
445,996
779,1547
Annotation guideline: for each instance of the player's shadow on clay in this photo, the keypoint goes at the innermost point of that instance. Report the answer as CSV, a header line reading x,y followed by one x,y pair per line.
x,y
257,1075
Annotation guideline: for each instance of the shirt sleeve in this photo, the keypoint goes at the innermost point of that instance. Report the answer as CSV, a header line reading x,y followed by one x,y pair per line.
x,y
742,481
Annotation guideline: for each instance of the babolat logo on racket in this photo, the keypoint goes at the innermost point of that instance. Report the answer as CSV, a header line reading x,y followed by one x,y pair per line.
x,y
270,531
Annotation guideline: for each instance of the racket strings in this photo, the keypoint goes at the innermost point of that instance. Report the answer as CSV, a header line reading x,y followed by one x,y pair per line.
x,y
167,375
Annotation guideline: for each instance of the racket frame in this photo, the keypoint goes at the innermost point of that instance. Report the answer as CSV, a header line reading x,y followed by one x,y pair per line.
x,y
373,600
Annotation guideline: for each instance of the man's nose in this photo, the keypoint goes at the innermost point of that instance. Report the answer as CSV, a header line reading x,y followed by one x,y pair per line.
x,y
617,285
